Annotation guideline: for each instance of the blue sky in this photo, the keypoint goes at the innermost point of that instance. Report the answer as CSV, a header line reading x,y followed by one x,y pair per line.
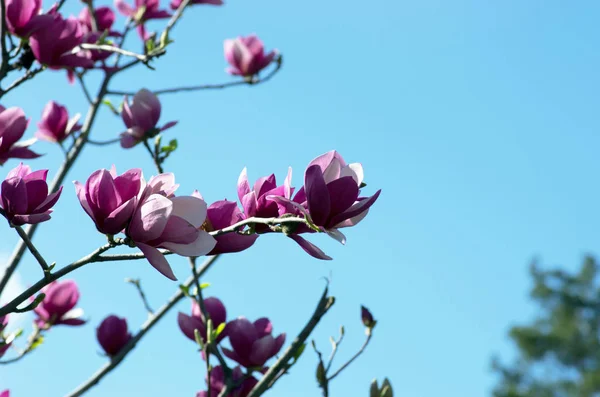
x,y
478,119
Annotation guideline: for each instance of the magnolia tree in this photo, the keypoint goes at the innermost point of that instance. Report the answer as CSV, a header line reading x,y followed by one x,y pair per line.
x,y
242,357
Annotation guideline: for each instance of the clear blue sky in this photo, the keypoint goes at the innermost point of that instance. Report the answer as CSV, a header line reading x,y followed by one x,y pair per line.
x,y
478,119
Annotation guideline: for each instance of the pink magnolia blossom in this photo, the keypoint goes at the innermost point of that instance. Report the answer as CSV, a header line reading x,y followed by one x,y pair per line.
x,y
12,127
23,17
216,311
53,45
217,383
5,393
144,11
175,4
246,55
162,220
112,334
141,117
58,306
109,199
105,18
220,215
252,343
24,196
329,198
55,125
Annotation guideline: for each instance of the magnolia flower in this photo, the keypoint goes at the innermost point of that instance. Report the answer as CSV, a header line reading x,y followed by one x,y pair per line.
x,y
12,127
216,311
141,118
162,220
55,125
252,343
105,18
217,383
246,55
24,196
58,306
144,11
220,215
53,45
109,199
23,17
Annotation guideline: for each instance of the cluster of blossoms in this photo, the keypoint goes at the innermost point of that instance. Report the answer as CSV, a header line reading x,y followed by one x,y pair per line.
x,y
252,344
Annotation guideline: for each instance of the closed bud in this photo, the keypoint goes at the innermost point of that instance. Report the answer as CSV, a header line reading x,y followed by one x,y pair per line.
x,y
367,317
112,334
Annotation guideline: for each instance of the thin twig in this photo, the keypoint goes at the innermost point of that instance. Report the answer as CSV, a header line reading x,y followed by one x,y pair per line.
x,y
36,254
155,158
84,88
261,221
3,32
50,277
138,285
334,349
325,303
103,143
110,48
33,338
362,349
147,326
73,154
207,86
27,76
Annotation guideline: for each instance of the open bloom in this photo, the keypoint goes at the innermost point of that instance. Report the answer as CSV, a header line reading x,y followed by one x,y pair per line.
x,y
105,18
110,199
252,343
176,3
141,118
53,45
220,215
23,17
144,10
217,383
246,55
58,306
24,196
12,127
112,334
55,125
256,201
329,198
216,311
162,220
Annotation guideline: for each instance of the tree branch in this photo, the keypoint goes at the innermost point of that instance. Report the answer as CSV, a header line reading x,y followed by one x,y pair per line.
x,y
362,349
36,254
209,86
147,326
138,285
325,303
27,76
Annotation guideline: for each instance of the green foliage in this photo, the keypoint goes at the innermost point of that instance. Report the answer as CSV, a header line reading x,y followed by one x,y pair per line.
x,y
559,351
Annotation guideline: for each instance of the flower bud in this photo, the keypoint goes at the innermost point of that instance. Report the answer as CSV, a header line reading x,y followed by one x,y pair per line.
x,y
112,334
216,311
252,343
367,317
12,127
246,55
55,125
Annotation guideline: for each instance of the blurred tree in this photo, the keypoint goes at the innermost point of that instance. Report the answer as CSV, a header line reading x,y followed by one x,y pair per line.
x,y
559,351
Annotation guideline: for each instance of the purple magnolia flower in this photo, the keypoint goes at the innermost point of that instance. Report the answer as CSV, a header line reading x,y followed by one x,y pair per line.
x,y
5,393
105,18
217,383
55,125
217,312
255,201
220,215
112,334
144,11
141,118
23,17
109,199
330,198
252,343
162,220
53,45
58,305
176,3
246,55
24,196
12,127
